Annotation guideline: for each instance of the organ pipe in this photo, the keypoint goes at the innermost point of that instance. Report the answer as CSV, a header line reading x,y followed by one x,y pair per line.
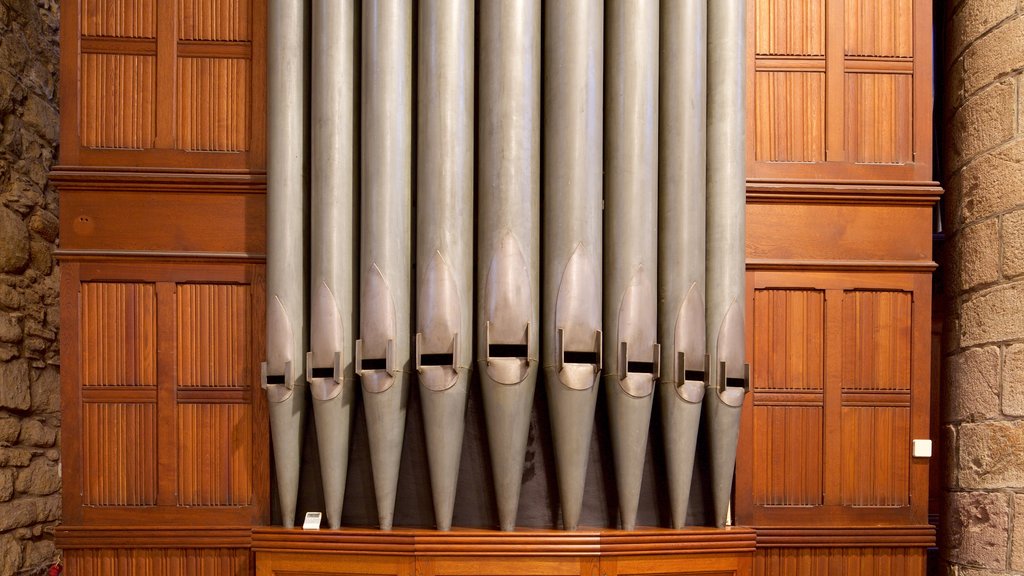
x,y
573,105
383,350
282,373
508,255
631,353
444,243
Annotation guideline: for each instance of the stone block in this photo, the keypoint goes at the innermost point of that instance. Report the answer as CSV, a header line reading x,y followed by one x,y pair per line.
x,y
10,555
974,529
9,430
993,315
28,511
46,391
989,455
10,298
973,380
1017,538
19,457
10,328
979,254
996,54
38,554
40,478
974,19
7,476
1013,383
45,224
985,121
1013,243
13,241
35,433
947,436
14,385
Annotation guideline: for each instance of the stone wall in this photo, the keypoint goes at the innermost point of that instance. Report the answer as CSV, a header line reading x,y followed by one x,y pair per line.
x,y
29,284
982,529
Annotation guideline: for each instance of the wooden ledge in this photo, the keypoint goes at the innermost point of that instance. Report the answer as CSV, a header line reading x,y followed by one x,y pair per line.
x,y
93,537
847,537
913,193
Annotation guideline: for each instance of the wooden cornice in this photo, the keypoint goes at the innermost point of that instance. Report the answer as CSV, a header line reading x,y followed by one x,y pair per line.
x,y
78,178
94,537
846,192
847,537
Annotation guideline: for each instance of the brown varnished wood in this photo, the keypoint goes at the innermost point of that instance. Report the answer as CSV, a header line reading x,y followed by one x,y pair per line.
x,y
839,562
158,561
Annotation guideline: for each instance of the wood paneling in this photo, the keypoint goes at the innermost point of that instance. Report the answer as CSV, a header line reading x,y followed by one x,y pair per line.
x,y
119,454
879,28
158,561
839,562
790,27
118,101
788,452
876,340
214,20
879,118
875,452
118,334
790,116
119,18
213,104
789,340
214,454
214,335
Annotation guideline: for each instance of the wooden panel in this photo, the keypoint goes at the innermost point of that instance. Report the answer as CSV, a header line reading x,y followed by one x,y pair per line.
x,y
117,100
879,118
214,454
875,453
879,28
119,18
158,562
214,335
788,453
790,27
201,222
213,104
214,20
839,562
505,566
704,565
876,340
119,454
118,334
789,342
305,564
790,116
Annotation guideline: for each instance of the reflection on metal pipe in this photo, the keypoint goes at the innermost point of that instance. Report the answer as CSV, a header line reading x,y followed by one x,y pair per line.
x,y
508,256
681,208
282,373
574,66
632,356
726,197
329,368
444,247
382,352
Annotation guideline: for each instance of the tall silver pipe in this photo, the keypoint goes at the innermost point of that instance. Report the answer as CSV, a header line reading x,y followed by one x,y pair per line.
x,y
282,373
631,353
508,238
726,265
681,239
444,243
330,370
383,351
573,108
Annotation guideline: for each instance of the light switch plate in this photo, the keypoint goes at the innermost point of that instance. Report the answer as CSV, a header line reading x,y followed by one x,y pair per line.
x,y
312,521
922,448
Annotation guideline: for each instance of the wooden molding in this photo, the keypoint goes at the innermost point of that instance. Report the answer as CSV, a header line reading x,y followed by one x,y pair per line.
x,y
760,191
105,537
846,537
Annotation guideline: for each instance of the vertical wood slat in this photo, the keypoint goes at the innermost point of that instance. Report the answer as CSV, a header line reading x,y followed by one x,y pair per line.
x,y
119,18
824,561
213,105
117,102
214,335
876,340
879,28
118,334
119,448
225,20
879,118
788,456
875,468
790,27
789,116
214,454
789,340
159,561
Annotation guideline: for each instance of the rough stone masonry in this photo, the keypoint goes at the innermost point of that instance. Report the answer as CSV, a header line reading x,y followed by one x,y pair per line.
x,y
30,477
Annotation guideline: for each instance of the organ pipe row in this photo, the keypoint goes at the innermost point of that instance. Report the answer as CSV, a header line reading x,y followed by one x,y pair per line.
x,y
643,203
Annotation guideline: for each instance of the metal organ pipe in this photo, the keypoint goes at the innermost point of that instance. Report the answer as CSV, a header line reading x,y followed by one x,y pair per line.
x,y
631,352
726,264
444,242
681,240
329,368
282,372
573,108
383,350
508,237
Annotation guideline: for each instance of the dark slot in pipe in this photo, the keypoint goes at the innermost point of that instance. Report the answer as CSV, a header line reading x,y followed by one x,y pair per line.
x,y
736,382
275,378
580,357
640,367
375,363
507,351
323,372
697,375
437,359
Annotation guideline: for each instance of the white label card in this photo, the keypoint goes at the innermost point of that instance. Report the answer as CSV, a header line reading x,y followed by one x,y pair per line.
x,y
312,521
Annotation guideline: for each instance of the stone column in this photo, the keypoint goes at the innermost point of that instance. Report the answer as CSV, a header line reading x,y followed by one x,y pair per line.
x,y
982,527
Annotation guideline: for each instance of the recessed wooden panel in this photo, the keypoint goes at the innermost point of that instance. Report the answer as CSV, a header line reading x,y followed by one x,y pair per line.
x,y
214,454
879,28
158,561
118,101
790,116
790,27
214,20
876,340
118,334
875,452
824,561
214,335
119,18
213,104
788,453
789,342
879,118
119,454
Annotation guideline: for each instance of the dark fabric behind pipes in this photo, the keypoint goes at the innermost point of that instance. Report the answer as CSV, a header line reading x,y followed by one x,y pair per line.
x,y
474,502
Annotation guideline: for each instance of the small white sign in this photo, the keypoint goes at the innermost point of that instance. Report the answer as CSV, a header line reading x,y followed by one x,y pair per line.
x,y
312,521
922,448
